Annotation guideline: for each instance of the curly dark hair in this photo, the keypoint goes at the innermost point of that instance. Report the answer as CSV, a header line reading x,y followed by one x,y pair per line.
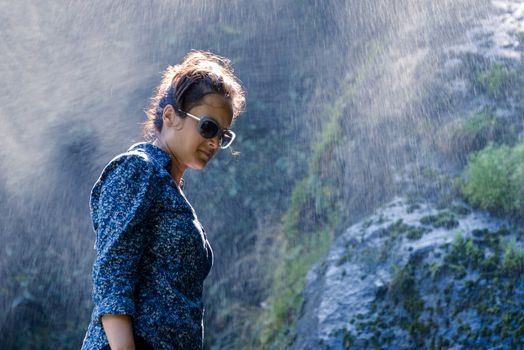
x,y
185,84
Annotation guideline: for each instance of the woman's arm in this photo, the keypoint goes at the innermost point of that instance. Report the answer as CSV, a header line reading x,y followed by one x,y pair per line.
x,y
120,200
119,331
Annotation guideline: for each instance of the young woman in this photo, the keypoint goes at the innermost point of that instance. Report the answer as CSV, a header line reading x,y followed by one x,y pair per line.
x,y
152,254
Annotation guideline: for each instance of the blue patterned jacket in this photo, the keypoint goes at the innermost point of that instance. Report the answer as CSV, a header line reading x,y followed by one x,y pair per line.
x,y
152,254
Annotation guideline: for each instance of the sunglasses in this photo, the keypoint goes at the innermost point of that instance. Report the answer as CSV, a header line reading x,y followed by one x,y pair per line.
x,y
209,128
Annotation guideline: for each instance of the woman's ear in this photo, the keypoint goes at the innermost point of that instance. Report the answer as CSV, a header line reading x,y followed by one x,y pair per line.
x,y
170,118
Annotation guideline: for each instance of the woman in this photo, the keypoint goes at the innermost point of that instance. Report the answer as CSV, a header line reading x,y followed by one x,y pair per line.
x,y
152,254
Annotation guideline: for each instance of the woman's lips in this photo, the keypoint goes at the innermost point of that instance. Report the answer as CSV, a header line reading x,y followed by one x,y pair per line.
x,y
207,154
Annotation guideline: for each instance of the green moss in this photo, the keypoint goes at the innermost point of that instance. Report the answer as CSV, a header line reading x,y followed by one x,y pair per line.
x,y
415,233
489,266
347,340
308,225
286,297
503,231
443,219
470,284
465,253
399,229
396,229
480,233
512,260
342,260
493,302
460,210
367,223
497,80
419,329
428,220
404,290
412,207
435,270
459,271
469,134
478,123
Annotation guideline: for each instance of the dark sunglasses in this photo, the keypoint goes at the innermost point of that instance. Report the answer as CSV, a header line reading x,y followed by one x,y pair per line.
x,y
209,128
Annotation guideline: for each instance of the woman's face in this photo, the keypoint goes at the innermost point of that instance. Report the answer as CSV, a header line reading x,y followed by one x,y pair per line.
x,y
190,148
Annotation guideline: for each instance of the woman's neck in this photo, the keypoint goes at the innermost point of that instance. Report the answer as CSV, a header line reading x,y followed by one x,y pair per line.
x,y
177,169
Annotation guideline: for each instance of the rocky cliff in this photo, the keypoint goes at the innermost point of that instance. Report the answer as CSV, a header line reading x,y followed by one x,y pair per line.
x,y
412,276
429,269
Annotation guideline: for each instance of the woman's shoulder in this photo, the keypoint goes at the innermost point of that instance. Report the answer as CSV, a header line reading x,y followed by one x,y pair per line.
x,y
128,162
141,155
142,160
131,180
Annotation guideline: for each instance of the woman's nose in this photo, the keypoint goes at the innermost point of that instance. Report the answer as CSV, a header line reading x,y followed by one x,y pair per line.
x,y
213,142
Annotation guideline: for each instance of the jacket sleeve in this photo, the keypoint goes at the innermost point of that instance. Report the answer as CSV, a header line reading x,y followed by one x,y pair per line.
x,y
120,201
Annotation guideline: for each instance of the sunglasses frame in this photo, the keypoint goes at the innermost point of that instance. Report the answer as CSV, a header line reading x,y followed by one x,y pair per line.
x,y
220,132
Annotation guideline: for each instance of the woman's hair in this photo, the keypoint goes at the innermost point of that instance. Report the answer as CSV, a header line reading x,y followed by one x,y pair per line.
x,y
185,84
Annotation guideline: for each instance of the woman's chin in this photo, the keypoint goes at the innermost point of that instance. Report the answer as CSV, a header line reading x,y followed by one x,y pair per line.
x,y
198,165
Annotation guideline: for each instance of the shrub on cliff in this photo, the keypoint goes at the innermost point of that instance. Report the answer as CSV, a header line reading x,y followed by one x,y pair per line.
x,y
497,81
494,180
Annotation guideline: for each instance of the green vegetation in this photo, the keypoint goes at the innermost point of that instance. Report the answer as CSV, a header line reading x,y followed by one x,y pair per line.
x,y
512,260
267,180
502,84
482,275
460,210
403,290
497,80
399,228
462,136
307,233
479,276
443,219
412,207
464,252
494,180
308,227
396,229
347,338
416,233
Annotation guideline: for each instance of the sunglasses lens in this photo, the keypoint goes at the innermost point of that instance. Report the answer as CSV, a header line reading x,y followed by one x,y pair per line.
x,y
208,128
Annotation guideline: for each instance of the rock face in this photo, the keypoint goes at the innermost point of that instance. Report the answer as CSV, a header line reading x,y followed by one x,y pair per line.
x,y
417,275
412,276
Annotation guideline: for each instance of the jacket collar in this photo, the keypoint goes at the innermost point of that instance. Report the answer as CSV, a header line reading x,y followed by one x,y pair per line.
x,y
156,153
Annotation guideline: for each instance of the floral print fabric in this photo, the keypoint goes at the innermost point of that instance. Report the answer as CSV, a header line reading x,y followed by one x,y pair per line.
x,y
152,254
